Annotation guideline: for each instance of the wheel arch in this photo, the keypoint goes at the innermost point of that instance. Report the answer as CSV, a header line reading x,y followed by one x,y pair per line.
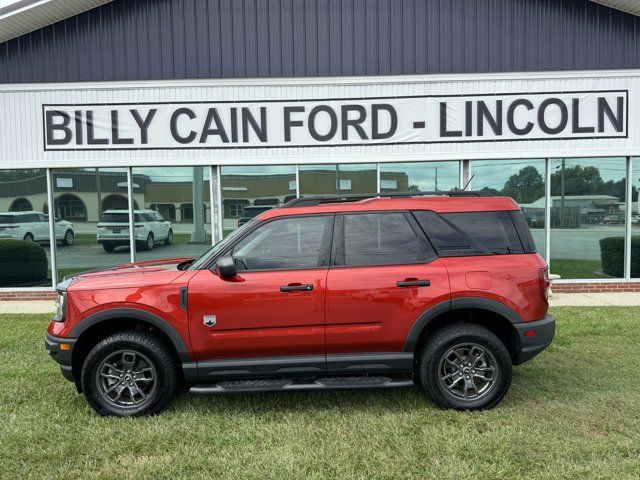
x,y
99,325
491,314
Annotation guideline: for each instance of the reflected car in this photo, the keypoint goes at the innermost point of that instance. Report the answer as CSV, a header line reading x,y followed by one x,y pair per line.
x,y
250,212
34,226
150,228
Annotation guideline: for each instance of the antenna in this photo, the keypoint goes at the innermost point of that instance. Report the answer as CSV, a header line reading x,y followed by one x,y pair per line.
x,y
468,182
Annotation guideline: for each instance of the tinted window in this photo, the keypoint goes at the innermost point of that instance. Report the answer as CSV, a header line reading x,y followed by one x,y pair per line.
x,y
287,243
116,218
6,218
472,233
381,239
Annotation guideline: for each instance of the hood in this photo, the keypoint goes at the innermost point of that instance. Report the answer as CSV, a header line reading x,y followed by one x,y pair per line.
x,y
153,270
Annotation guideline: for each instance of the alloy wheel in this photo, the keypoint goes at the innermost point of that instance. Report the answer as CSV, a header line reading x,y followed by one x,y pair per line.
x,y
126,379
468,371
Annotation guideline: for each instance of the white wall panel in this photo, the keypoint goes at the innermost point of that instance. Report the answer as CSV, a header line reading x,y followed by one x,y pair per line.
x,y
22,138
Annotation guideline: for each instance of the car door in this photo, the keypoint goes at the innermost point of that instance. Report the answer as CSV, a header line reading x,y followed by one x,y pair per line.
x,y
162,226
384,274
270,317
40,226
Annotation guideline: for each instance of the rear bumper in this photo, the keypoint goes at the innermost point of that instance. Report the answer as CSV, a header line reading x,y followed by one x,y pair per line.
x,y
530,346
63,357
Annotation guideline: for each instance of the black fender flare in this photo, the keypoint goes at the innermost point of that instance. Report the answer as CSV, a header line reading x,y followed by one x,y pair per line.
x,y
461,303
136,314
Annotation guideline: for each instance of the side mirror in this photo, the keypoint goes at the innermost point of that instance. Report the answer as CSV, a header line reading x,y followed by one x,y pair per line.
x,y
226,267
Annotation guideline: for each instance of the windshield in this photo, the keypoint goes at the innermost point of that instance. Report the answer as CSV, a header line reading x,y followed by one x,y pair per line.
x,y
221,245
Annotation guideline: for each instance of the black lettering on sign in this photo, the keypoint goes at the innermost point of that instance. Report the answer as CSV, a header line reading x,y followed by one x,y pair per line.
x,y
617,119
542,120
495,122
288,123
115,134
144,123
575,118
260,129
91,136
174,125
333,123
213,126
522,102
63,126
376,108
443,123
353,122
79,126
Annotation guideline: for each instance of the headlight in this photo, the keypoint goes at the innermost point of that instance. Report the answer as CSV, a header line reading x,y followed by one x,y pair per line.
x,y
61,307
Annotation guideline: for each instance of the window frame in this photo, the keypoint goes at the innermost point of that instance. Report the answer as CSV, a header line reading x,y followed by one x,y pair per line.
x,y
338,247
324,257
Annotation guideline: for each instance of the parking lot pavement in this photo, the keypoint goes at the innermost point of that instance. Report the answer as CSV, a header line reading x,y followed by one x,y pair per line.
x,y
93,256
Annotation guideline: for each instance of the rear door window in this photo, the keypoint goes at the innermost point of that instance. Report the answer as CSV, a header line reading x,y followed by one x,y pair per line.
x,y
380,239
470,233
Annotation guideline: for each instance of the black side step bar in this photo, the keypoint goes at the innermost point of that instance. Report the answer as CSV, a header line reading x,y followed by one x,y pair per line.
x,y
281,385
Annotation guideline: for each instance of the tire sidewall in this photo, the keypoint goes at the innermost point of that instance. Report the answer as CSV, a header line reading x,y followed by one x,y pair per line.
x,y
149,244
430,364
92,391
69,238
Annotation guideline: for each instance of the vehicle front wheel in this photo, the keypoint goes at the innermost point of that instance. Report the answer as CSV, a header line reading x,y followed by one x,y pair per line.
x,y
130,373
466,367
149,244
169,239
68,238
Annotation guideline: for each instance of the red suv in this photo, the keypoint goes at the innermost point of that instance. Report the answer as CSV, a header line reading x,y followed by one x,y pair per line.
x,y
446,291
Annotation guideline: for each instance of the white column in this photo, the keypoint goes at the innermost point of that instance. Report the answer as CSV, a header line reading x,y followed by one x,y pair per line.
x,y
378,178
627,215
297,180
52,229
132,238
547,212
214,202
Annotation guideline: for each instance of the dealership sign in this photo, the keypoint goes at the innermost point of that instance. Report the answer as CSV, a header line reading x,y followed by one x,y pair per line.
x,y
337,122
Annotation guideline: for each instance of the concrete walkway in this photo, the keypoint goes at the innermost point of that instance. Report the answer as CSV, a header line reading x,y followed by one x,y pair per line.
x,y
625,299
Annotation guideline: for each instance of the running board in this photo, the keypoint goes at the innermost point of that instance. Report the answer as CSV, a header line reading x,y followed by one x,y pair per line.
x,y
280,385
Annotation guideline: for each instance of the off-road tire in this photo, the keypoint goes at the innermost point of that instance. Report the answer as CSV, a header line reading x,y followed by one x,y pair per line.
x,y
440,342
150,346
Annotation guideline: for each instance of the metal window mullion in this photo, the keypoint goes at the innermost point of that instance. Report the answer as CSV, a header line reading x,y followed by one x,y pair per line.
x,y
297,180
220,204
627,214
52,230
213,206
132,238
378,186
547,212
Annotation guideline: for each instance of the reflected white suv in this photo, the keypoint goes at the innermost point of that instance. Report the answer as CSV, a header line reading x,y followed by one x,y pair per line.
x,y
150,227
34,227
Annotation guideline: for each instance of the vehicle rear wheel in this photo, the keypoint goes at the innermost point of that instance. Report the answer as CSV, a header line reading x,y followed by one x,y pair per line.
x,y
128,374
466,367
28,237
149,243
169,239
108,247
68,238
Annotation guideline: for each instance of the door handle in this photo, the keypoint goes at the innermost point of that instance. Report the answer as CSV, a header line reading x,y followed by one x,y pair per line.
x,y
413,282
292,287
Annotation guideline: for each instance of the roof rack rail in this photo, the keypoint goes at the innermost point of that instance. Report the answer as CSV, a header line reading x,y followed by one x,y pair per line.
x,y
356,197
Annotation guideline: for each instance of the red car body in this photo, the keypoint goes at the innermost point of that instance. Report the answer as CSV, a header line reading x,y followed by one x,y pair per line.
x,y
353,319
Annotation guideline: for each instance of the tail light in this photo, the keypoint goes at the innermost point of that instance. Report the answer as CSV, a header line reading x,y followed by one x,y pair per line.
x,y
543,282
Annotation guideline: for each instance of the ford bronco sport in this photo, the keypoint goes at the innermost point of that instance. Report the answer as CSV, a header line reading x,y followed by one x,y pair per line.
x,y
382,291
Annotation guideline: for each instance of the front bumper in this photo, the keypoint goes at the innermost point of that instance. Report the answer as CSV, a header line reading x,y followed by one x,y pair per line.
x,y
63,357
530,346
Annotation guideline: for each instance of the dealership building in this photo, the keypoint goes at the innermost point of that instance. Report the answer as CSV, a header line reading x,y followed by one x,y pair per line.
x,y
199,109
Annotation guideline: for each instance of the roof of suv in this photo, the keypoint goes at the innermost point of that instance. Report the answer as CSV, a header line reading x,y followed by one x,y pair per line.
x,y
23,212
440,204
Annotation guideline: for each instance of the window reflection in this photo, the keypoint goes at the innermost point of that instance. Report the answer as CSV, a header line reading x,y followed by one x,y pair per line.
x,y
587,217
24,229
419,177
249,191
338,179
635,219
522,180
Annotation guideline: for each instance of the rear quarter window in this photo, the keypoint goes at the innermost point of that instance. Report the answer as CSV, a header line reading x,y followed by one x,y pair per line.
x,y
471,233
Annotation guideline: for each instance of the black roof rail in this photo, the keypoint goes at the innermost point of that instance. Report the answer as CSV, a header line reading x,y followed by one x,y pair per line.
x,y
356,197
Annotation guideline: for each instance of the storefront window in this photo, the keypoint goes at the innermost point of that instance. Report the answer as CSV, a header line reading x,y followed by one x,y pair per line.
x,y
338,179
635,219
173,216
249,191
522,180
419,177
24,229
82,196
588,202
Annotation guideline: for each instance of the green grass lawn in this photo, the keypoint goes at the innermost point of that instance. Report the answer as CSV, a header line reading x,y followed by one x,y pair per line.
x,y
573,412
577,268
